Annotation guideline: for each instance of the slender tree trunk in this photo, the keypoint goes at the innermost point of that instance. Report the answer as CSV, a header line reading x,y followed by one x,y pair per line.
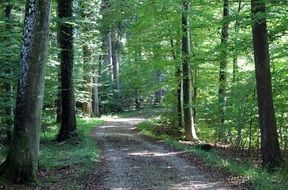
x,y
21,163
223,70
137,100
179,97
8,87
236,44
158,93
110,54
137,97
178,90
68,121
269,137
95,91
87,105
59,97
235,69
115,60
115,45
195,89
95,97
194,77
190,132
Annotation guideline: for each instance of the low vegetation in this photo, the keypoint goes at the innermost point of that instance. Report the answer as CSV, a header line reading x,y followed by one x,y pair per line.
x,y
246,172
72,152
75,159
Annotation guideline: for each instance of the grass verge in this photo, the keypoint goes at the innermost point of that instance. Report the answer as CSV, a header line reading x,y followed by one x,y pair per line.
x,y
73,159
259,178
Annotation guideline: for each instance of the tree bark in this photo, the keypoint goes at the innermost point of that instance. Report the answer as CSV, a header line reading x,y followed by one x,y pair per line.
x,y
21,163
115,45
178,80
236,44
95,89
110,53
223,70
59,97
87,105
179,97
269,138
137,100
190,132
8,86
68,121
158,94
115,60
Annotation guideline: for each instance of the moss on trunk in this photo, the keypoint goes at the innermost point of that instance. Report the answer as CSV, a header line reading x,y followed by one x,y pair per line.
x,y
21,163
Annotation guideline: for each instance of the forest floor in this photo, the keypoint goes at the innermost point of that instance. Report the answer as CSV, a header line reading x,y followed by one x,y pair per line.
x,y
131,161
131,158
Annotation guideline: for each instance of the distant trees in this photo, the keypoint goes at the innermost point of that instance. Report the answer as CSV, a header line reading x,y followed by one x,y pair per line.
x,y
65,37
118,48
21,163
87,62
269,138
111,33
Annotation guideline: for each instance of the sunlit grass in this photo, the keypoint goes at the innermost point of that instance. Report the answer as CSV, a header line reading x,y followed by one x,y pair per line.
x,y
72,152
259,178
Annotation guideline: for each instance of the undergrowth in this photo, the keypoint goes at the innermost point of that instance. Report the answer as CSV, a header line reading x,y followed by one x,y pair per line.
x,y
76,156
258,178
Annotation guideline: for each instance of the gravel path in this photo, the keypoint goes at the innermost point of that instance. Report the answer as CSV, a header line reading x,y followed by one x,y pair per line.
x,y
131,162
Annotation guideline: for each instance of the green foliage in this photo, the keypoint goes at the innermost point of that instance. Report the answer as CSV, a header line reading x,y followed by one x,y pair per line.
x,y
10,37
160,129
145,31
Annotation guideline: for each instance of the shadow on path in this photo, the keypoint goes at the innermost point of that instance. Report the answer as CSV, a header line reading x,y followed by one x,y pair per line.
x,y
131,162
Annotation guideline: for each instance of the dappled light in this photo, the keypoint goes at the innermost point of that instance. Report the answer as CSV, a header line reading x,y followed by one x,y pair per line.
x,y
132,162
143,94
154,154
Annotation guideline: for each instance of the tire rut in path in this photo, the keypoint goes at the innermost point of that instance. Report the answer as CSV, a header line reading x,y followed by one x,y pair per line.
x,y
131,162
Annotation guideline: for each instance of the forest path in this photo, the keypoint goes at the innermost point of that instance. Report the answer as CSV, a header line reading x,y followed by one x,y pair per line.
x,y
130,162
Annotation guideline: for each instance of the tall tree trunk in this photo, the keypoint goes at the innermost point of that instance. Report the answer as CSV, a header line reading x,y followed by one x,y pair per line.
x,y
137,97
21,163
158,93
178,78
190,132
235,68
223,70
116,68
269,137
95,89
110,54
137,100
59,90
194,90
68,121
236,44
87,105
115,60
59,97
179,96
8,87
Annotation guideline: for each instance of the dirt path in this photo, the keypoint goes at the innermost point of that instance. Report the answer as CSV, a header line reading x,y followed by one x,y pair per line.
x,y
129,161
